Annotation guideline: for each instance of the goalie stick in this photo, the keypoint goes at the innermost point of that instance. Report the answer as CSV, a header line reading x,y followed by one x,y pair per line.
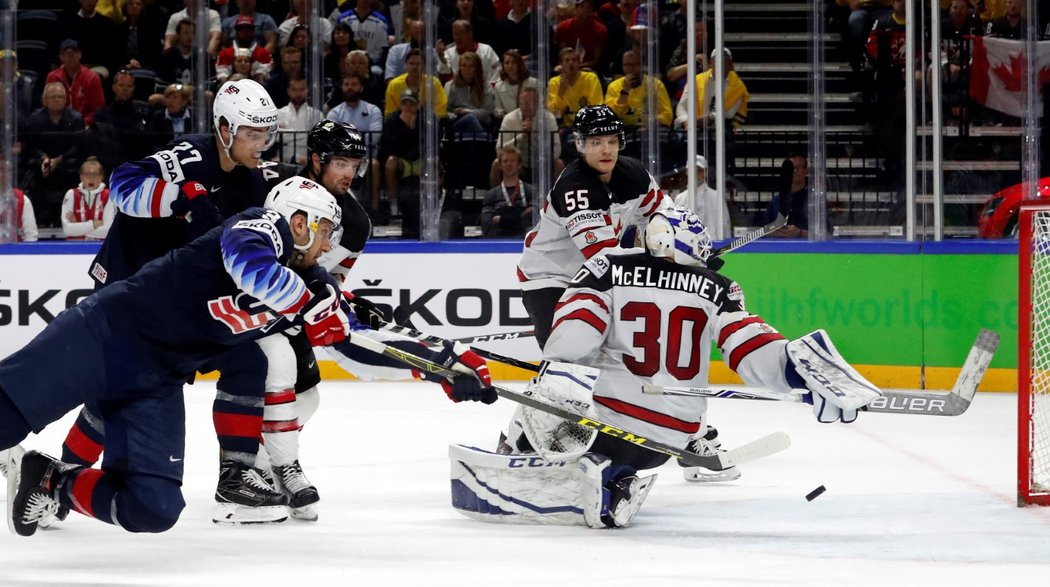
x,y
922,403
765,446
778,223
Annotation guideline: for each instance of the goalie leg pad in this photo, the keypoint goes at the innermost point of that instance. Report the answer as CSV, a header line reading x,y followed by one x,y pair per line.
x,y
570,387
827,374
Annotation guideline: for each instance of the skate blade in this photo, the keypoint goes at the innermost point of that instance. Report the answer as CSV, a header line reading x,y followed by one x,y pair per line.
x,y
702,475
14,469
639,490
229,514
306,513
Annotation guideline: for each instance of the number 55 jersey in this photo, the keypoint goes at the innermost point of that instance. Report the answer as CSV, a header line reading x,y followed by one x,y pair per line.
x,y
643,319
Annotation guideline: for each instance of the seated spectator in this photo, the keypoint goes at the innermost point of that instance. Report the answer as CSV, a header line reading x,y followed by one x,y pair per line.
x,y
300,17
585,32
50,138
174,119
119,132
618,16
189,13
678,65
479,16
513,75
372,32
470,100
137,36
515,30
87,212
402,15
176,62
124,112
24,86
294,120
520,130
25,217
506,211
573,89
792,201
412,79
356,63
395,58
291,68
244,47
264,32
463,42
1011,25
342,43
400,146
628,96
863,15
735,102
958,31
367,118
94,34
704,201
83,86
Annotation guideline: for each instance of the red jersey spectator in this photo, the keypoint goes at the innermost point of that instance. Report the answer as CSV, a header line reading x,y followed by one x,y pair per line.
x,y
83,86
585,33
244,38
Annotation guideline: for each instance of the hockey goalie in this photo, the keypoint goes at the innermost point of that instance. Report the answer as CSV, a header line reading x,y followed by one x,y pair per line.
x,y
633,317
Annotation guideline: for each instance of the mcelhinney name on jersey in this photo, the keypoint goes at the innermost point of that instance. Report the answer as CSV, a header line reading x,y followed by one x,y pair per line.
x,y
640,276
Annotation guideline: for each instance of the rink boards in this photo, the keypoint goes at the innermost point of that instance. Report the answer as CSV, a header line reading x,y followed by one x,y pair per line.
x,y
905,313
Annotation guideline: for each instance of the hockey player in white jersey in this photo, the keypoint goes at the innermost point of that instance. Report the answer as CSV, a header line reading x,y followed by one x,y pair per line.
x,y
638,316
593,201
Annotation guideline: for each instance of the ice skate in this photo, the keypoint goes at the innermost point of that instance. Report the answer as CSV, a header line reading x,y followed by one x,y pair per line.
x,y
302,495
29,492
244,497
708,445
625,499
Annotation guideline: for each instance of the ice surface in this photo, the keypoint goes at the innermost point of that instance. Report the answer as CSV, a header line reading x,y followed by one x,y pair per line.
x,y
910,500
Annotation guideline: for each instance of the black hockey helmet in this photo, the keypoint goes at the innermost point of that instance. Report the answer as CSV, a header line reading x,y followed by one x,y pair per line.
x,y
597,121
330,138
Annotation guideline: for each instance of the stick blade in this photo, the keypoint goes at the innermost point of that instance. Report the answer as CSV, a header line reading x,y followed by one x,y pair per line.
x,y
976,364
763,447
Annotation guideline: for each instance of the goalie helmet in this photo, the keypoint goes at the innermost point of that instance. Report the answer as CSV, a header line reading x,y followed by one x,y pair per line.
x,y
244,103
329,138
597,121
298,194
679,235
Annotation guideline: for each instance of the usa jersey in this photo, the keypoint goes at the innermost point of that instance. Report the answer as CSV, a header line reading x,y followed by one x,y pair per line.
x,y
642,319
584,217
143,191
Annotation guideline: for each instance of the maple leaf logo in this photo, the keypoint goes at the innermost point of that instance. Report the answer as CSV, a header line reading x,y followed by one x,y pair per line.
x,y
1014,76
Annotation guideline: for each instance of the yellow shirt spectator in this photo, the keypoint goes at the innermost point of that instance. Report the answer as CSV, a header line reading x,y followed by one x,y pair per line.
x,y
565,99
399,84
735,99
633,107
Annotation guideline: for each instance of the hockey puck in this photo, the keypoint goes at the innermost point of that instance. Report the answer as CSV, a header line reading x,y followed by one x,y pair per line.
x,y
815,493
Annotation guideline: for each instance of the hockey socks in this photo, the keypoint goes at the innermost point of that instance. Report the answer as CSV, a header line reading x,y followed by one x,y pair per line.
x,y
85,440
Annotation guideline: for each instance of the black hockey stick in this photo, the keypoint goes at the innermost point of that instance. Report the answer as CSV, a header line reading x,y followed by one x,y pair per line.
x,y
412,333
922,403
765,446
778,223
495,337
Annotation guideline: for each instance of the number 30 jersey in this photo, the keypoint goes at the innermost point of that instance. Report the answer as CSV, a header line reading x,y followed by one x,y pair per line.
x,y
144,190
584,217
642,319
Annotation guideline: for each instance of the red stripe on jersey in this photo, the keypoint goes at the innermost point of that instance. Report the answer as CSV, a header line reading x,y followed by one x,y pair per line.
x,y
237,425
592,250
83,488
531,236
348,262
648,198
731,329
271,426
521,276
581,297
298,305
155,198
751,346
79,444
647,415
586,316
283,396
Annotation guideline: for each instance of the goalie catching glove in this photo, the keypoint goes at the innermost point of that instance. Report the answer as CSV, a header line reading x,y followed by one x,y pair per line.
x,y
474,384
836,390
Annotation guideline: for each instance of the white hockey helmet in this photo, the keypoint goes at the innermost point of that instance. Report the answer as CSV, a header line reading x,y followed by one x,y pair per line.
x,y
298,194
678,234
244,103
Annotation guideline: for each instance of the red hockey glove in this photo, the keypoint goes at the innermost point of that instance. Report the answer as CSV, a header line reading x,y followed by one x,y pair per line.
x,y
325,322
190,206
474,384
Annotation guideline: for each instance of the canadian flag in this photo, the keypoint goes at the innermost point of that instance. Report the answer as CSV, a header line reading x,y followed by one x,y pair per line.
x,y
998,74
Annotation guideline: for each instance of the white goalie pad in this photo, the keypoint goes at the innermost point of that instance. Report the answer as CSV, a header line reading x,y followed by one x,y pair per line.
x,y
524,488
566,386
824,370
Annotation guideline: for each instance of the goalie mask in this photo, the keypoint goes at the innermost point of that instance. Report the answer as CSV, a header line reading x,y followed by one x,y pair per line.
x,y
679,235
298,194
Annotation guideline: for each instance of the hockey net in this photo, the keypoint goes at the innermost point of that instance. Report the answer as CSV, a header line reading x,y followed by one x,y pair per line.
x,y
1033,426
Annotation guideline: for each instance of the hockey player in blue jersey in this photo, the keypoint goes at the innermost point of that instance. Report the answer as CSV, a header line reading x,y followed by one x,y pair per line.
x,y
129,348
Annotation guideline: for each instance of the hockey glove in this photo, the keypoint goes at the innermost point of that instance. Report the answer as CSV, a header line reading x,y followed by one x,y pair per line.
x,y
825,409
193,205
369,313
324,320
474,384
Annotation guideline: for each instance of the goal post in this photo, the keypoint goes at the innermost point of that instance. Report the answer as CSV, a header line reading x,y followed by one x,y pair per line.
x,y
1033,356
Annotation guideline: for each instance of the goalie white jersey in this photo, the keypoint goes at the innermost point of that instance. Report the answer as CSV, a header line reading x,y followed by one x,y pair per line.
x,y
642,319
584,217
